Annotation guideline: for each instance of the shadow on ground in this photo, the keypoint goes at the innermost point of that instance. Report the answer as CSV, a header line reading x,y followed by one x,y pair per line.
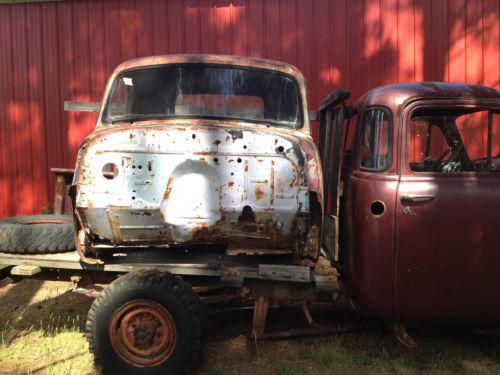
x,y
42,326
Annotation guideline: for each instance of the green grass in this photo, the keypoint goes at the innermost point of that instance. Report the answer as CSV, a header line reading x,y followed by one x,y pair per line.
x,y
288,367
42,327
216,371
441,351
42,332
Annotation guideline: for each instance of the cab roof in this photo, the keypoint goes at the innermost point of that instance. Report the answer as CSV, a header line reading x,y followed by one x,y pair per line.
x,y
393,96
242,61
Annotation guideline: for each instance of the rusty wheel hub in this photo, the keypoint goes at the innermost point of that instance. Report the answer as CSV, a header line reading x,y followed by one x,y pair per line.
x,y
143,333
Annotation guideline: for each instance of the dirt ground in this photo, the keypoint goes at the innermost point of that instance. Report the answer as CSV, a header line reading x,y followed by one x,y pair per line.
x,y
42,325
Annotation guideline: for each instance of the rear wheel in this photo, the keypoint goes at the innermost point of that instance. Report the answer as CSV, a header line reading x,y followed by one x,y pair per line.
x,y
146,322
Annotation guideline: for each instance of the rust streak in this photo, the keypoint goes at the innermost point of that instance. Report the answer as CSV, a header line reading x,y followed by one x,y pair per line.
x,y
169,188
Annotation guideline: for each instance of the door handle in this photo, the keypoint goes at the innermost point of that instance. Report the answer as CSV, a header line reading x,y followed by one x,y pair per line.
x,y
417,197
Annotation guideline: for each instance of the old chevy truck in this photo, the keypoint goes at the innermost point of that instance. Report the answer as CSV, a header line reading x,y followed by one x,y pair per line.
x,y
204,166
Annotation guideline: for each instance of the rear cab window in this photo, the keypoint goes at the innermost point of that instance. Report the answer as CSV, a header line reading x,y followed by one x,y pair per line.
x,y
205,91
375,146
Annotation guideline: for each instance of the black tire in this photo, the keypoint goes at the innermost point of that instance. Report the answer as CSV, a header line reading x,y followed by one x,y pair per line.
x,y
104,328
37,234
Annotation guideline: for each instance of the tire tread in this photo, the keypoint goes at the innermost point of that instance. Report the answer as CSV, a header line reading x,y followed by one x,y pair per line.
x,y
39,238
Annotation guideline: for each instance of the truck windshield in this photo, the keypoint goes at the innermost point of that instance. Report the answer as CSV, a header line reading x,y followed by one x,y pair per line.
x,y
204,91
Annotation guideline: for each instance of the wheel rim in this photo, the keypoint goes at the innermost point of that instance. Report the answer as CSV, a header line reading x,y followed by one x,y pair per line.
x,y
143,333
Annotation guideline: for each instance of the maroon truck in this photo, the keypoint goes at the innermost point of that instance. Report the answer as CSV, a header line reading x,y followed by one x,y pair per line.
x,y
400,196
420,203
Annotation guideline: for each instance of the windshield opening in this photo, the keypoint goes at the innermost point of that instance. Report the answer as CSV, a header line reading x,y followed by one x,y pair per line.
x,y
204,91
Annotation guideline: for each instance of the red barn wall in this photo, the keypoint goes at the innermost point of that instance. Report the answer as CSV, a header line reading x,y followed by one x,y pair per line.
x,y
56,51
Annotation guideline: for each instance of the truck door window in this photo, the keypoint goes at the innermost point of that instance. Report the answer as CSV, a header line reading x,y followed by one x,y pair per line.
x,y
454,140
376,139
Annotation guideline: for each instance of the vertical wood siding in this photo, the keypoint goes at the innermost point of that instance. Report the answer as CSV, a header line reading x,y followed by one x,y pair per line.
x,y
56,51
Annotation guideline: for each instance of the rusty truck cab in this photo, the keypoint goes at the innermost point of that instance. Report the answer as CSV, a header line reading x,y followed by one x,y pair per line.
x,y
419,202
196,150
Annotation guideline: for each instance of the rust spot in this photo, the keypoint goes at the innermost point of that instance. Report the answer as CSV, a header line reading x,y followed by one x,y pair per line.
x,y
230,184
312,243
272,187
150,163
246,168
169,188
259,194
131,136
217,142
228,138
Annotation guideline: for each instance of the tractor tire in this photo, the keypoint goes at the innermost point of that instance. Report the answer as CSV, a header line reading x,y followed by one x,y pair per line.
x,y
37,234
146,322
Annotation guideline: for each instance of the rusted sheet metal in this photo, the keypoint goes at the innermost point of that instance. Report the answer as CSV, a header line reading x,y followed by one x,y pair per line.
x,y
254,187
192,182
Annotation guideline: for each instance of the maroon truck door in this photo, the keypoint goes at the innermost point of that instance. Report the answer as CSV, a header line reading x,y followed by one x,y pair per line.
x,y
332,112
447,259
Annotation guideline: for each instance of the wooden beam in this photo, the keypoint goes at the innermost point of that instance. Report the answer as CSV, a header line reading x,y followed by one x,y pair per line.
x,y
82,106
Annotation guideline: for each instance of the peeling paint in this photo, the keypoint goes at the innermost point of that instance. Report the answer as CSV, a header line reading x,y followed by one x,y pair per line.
x,y
182,181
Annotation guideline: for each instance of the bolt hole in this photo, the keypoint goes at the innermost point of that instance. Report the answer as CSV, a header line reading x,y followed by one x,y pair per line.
x,y
110,171
193,136
133,197
377,208
232,173
133,166
280,149
239,160
140,167
244,147
216,160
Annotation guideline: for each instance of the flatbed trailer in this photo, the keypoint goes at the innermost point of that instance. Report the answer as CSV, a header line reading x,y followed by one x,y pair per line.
x,y
182,262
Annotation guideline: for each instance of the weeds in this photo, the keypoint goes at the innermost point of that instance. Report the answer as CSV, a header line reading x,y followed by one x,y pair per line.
x,y
288,368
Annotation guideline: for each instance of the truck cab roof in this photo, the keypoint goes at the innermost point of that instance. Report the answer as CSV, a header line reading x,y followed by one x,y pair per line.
x,y
396,95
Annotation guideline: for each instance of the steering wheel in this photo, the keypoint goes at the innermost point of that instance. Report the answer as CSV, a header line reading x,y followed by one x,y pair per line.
x,y
454,157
